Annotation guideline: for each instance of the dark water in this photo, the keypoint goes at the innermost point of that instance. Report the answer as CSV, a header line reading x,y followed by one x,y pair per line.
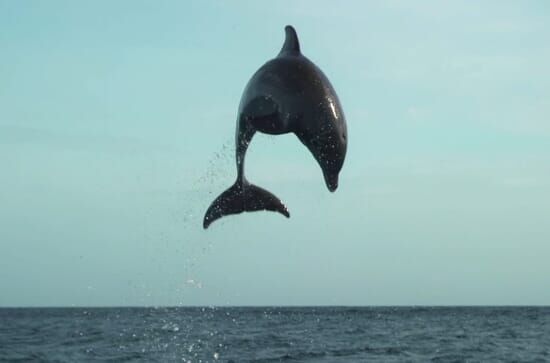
x,y
332,334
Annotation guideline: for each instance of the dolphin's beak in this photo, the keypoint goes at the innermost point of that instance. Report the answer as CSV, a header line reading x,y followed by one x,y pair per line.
x,y
332,181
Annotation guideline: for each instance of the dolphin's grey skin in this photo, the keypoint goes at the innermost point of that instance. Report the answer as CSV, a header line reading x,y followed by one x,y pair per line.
x,y
287,94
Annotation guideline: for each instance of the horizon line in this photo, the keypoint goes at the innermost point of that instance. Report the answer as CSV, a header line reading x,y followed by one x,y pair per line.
x,y
272,306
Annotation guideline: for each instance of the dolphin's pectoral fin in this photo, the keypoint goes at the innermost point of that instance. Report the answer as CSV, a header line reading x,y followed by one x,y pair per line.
x,y
263,114
243,198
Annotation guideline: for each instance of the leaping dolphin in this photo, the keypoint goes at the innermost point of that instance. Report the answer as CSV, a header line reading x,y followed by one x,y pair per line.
x,y
287,94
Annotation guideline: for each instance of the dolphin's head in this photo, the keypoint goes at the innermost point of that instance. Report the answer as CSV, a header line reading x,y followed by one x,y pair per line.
x,y
326,138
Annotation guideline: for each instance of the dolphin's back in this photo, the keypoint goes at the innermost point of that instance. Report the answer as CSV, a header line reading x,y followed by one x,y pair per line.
x,y
292,81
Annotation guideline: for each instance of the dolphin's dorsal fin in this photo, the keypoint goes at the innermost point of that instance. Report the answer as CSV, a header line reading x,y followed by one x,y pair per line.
x,y
291,45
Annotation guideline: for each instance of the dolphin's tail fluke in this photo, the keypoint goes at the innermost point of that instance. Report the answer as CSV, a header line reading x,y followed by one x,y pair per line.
x,y
243,197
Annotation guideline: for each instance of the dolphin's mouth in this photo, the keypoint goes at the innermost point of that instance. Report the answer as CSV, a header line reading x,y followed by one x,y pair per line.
x,y
332,181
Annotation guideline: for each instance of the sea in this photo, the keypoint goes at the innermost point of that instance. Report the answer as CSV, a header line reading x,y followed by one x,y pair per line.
x,y
276,334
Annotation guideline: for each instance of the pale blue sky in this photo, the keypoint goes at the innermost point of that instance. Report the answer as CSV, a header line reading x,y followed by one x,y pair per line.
x,y
116,132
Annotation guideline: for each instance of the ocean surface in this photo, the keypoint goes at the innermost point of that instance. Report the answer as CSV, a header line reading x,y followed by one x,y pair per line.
x,y
276,334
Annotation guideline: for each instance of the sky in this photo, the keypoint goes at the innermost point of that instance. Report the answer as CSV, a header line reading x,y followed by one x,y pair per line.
x,y
117,124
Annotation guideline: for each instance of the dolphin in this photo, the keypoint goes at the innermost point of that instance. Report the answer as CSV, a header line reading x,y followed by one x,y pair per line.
x,y
287,94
